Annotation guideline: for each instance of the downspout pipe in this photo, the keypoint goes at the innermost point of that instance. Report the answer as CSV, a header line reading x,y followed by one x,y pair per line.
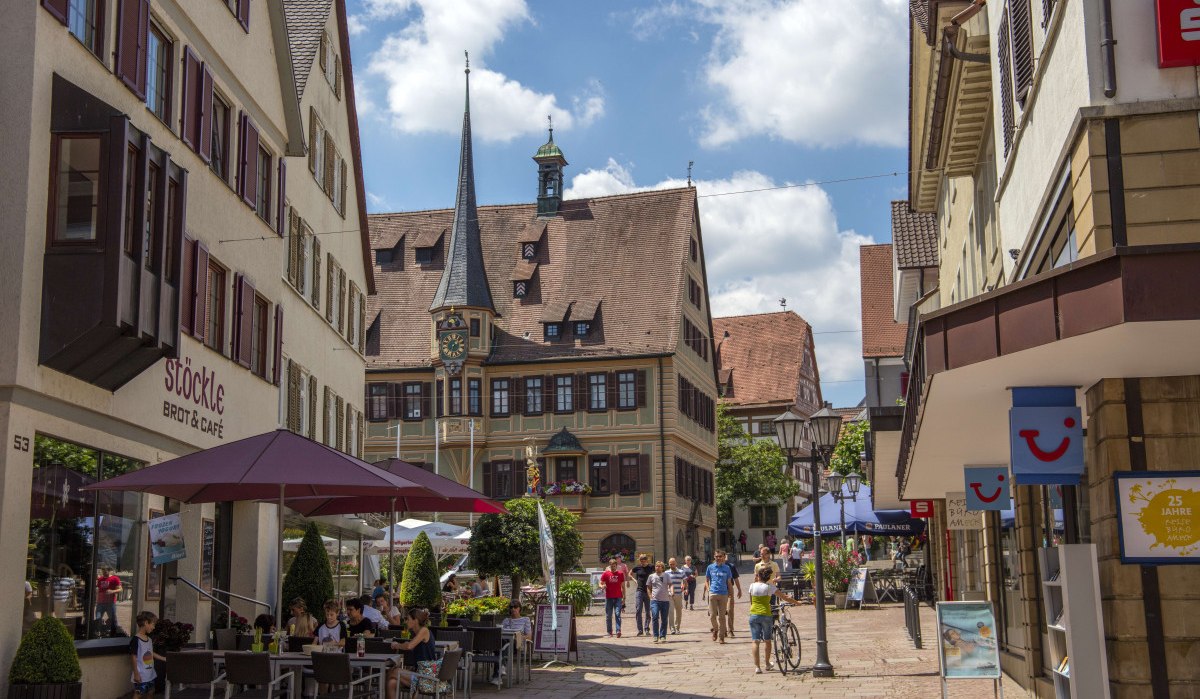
x,y
1108,58
662,454
950,33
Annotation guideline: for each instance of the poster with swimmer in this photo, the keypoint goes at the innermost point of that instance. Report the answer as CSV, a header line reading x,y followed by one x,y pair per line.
x,y
967,647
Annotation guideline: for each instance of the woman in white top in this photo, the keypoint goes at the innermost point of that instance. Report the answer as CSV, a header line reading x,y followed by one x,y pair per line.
x,y
481,588
391,615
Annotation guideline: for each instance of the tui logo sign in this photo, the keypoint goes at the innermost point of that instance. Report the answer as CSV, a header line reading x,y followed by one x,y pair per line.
x,y
1046,436
987,488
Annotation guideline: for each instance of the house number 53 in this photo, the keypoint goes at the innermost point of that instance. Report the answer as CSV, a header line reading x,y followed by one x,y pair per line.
x,y
20,443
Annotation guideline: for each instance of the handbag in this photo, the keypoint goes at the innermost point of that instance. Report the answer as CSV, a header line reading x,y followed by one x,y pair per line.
x,y
430,686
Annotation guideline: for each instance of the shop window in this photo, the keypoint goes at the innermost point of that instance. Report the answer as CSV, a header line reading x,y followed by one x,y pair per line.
x,y
1010,593
84,562
566,469
500,398
615,545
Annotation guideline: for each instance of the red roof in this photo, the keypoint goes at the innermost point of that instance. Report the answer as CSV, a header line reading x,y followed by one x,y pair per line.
x,y
762,360
882,336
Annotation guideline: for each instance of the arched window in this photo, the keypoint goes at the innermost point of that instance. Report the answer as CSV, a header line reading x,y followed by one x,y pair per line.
x,y
614,544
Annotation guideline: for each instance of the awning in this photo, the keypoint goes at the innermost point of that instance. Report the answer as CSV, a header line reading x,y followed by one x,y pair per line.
x,y
860,518
1121,313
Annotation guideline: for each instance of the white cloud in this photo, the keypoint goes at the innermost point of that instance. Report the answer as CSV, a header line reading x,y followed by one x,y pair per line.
x,y
812,72
421,65
376,203
355,25
766,245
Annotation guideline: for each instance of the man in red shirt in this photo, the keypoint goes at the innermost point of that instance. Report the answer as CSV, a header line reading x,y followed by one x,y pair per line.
x,y
613,581
108,586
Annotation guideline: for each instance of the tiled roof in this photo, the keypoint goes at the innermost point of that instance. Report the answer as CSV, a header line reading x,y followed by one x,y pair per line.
x,y
305,24
915,236
882,336
763,357
628,250
920,13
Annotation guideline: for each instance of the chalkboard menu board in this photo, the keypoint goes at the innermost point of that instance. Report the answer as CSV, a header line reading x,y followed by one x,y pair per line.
x,y
208,553
505,585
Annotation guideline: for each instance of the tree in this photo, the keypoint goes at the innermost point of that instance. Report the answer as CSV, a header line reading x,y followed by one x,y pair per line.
x,y
509,544
419,586
310,577
748,471
847,455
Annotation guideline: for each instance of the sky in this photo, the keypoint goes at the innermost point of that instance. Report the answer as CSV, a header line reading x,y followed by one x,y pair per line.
x,y
793,112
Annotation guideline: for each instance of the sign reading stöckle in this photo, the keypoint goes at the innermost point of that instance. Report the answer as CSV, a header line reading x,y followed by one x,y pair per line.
x,y
1158,516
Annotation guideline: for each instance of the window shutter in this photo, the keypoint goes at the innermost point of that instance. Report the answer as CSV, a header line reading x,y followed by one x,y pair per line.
x,y
341,301
243,14
312,407
245,321
439,402
1047,9
341,424
293,243
516,395
293,389
641,388
323,52
330,283
426,399
133,25
315,292
614,474
548,393
362,434
280,197
330,163
278,343
342,208
327,398
351,297
1004,59
312,140
337,78
362,322
644,483
204,115
487,485
190,96
1022,48
186,277
235,332
611,389
200,291
248,182
58,8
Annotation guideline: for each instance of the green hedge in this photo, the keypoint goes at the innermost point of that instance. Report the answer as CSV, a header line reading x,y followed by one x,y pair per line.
x,y
419,586
46,655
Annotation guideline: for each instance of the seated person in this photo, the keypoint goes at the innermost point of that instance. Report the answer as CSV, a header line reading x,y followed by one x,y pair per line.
x,y
451,584
333,631
522,629
359,624
481,588
266,623
420,648
301,622
372,613
390,614
380,590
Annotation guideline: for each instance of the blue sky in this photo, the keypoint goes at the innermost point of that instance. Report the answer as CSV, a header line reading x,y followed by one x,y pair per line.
x,y
759,94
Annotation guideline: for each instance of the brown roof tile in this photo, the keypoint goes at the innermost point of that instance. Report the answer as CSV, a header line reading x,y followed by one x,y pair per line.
x,y
915,236
763,357
882,336
305,24
523,271
629,249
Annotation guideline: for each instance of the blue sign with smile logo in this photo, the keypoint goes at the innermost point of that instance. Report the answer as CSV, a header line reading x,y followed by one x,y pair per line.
x,y
1046,436
987,488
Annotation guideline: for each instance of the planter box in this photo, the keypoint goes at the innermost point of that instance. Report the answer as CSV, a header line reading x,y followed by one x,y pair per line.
x,y
45,691
574,502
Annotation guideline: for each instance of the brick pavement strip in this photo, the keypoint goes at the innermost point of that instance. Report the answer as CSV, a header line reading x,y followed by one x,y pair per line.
x,y
869,650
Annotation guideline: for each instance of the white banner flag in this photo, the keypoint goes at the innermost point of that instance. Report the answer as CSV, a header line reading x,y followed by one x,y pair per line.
x,y
548,563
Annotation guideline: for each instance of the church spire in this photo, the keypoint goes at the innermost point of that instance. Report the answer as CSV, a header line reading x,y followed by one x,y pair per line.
x,y
464,282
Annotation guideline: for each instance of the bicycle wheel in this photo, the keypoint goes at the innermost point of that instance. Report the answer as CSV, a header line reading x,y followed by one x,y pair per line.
x,y
783,651
792,634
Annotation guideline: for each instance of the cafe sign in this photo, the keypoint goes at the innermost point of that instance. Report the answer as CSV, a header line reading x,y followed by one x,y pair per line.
x,y
195,397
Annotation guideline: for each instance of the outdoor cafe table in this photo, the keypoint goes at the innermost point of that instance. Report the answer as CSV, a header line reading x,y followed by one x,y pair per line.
x,y
279,661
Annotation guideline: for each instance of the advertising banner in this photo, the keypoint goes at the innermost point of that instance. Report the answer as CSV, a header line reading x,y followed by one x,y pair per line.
x,y
957,516
166,539
967,647
1158,516
548,561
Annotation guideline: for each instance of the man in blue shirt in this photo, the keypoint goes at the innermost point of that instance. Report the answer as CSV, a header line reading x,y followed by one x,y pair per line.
x,y
716,580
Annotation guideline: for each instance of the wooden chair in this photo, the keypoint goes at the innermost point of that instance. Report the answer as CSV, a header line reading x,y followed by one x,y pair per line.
x,y
248,676
443,681
334,669
191,675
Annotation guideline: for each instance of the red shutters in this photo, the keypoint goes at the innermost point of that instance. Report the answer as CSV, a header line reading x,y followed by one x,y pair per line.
x,y
243,14
190,93
243,322
199,289
248,160
58,8
277,367
280,196
186,303
641,388
204,115
133,25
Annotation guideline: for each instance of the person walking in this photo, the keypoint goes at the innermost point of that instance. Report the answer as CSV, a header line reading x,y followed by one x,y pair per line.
x,y
770,540
628,578
785,559
641,574
762,590
734,576
613,581
677,579
742,540
691,573
716,585
661,594
765,561
796,551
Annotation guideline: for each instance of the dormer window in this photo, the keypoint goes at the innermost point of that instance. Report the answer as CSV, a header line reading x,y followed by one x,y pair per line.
x,y
529,251
383,256
425,255
428,247
553,331
582,328
520,290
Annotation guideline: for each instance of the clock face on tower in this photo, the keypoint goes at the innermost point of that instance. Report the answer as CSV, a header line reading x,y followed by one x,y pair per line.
x,y
453,345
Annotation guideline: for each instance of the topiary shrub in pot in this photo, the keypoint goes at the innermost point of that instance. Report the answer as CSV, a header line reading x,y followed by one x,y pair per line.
x,y
310,576
46,665
419,586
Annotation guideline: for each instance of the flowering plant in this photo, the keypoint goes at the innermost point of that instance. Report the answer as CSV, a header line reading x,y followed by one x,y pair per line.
x,y
171,635
607,554
240,623
840,562
568,486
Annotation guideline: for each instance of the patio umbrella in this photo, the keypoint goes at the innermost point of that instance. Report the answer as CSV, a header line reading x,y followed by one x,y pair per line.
x,y
452,496
860,518
445,538
273,466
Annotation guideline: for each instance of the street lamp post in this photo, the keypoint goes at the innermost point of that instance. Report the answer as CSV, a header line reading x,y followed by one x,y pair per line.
x,y
852,482
788,431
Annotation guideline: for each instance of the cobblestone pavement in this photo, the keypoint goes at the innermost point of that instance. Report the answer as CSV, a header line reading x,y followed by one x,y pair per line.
x,y
869,650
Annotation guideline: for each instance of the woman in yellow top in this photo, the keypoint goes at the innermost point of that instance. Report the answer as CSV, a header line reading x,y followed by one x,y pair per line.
x,y
761,591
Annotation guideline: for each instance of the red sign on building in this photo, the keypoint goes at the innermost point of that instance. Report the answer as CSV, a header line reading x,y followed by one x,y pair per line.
x,y
1178,32
921,509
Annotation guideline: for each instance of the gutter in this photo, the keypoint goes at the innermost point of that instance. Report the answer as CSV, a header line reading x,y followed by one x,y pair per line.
x,y
942,91
1108,59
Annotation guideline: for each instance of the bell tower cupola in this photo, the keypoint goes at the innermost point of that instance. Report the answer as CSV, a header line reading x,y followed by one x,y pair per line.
x,y
550,162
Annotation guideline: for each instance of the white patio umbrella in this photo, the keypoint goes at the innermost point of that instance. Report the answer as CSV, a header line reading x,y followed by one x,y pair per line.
x,y
447,539
349,548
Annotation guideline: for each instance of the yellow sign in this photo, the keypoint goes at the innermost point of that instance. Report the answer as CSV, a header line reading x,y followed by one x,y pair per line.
x,y
1159,516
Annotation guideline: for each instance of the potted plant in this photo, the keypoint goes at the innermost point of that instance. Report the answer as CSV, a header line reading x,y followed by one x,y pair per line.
x,y
168,637
310,576
46,665
419,586
576,593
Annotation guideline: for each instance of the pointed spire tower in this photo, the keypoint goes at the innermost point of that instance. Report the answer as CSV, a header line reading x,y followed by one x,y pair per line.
x,y
464,282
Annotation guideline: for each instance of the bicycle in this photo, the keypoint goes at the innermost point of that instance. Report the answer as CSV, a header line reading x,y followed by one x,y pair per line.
x,y
786,638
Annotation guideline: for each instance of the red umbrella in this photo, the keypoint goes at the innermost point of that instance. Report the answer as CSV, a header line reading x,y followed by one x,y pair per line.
x,y
272,466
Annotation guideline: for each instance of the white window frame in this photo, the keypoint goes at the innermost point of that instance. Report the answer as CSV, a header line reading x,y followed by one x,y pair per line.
x,y
319,145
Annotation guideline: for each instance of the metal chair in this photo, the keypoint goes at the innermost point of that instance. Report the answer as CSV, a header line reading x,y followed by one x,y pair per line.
x,y
193,673
248,676
487,644
334,669
379,645
443,682
465,639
